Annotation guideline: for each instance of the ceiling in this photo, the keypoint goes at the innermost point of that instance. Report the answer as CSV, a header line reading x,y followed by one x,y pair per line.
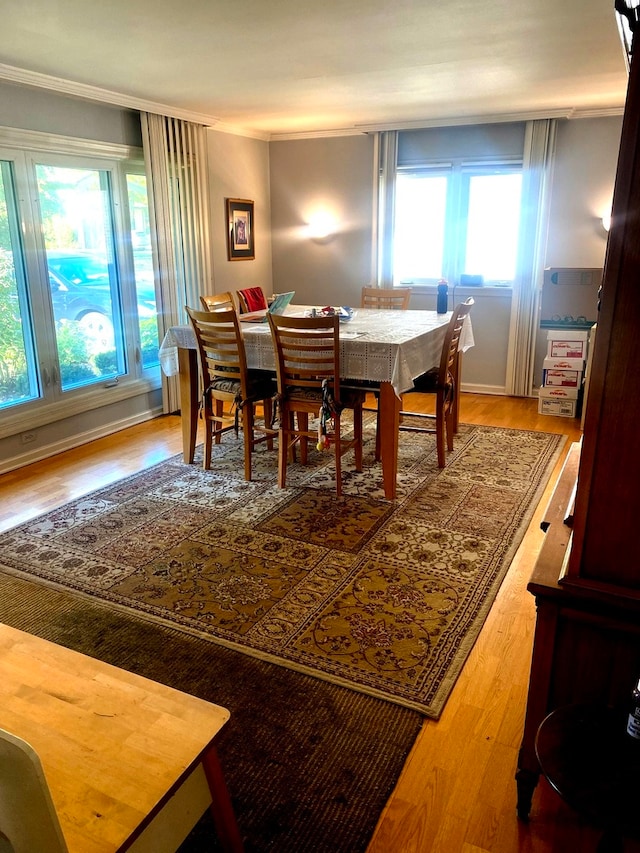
x,y
270,68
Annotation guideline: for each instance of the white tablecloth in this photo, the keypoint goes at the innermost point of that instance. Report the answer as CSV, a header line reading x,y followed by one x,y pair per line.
x,y
378,346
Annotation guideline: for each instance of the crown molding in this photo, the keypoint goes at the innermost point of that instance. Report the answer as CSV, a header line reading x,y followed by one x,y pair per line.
x,y
36,80
316,134
237,130
420,124
602,113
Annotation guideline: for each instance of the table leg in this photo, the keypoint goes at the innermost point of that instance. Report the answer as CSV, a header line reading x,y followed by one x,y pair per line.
x,y
188,365
221,807
389,424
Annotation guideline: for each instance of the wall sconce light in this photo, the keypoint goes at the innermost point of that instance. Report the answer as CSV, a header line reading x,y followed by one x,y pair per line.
x,y
322,226
606,221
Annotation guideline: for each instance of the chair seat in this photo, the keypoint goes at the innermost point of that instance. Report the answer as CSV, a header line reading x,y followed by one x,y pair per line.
x,y
258,387
350,396
428,383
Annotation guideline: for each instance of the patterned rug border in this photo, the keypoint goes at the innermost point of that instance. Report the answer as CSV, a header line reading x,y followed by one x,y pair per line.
x,y
453,662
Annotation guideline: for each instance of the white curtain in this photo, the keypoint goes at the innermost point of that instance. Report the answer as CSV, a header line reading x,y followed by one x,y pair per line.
x,y
175,155
539,150
387,166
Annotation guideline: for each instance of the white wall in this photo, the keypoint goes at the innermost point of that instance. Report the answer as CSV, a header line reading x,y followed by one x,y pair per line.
x,y
239,168
585,168
335,175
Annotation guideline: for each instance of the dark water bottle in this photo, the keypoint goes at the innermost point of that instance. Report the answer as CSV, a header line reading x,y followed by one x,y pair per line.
x,y
442,303
633,720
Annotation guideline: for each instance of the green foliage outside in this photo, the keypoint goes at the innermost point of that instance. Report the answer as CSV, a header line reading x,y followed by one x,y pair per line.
x,y
14,379
78,364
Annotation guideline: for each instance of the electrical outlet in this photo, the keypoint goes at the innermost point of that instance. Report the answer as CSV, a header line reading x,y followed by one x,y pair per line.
x,y
28,437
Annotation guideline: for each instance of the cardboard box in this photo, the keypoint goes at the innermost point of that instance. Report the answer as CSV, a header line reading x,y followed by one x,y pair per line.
x,y
558,392
566,378
566,343
563,363
559,408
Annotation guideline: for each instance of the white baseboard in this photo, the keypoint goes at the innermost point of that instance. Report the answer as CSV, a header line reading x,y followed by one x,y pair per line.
x,y
483,389
47,450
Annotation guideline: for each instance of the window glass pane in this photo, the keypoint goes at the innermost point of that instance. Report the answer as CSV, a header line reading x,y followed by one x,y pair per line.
x,y
75,207
492,226
143,268
18,381
421,202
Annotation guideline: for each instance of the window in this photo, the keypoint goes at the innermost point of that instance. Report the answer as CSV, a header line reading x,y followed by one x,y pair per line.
x,y
456,220
77,294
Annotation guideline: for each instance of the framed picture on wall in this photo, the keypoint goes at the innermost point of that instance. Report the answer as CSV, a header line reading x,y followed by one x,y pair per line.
x,y
240,236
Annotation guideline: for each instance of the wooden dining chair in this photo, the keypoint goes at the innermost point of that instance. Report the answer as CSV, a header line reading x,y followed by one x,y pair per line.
x,y
390,298
396,298
251,299
308,374
214,302
444,382
226,381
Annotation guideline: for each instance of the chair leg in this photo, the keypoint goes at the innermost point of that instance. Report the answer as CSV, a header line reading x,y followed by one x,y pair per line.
x,y
291,425
338,454
378,455
218,410
267,408
440,443
449,420
208,435
303,424
247,430
357,434
283,450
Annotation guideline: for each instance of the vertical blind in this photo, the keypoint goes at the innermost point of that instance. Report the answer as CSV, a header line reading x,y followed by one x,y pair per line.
x,y
178,187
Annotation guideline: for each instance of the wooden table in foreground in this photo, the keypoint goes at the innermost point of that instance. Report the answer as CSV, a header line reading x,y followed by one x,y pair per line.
x,y
385,349
130,763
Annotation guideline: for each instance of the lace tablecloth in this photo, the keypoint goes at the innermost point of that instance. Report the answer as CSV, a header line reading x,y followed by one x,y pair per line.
x,y
378,346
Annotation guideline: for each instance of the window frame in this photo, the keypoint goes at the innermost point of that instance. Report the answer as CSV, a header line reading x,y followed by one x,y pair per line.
x,y
459,172
23,149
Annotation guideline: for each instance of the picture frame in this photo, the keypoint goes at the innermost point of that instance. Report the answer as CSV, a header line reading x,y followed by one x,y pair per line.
x,y
240,229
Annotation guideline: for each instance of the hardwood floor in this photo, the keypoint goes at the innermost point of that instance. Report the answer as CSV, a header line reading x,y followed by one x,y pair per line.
x,y
457,791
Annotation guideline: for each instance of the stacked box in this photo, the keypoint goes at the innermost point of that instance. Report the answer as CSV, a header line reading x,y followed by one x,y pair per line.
x,y
563,373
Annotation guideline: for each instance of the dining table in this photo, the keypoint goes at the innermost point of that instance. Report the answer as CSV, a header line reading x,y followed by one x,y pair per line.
x,y
382,350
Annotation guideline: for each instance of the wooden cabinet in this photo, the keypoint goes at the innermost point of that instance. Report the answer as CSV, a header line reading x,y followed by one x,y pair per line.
x,y
586,645
587,579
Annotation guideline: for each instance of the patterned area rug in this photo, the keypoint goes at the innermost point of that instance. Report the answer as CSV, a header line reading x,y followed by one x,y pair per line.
x,y
309,764
385,598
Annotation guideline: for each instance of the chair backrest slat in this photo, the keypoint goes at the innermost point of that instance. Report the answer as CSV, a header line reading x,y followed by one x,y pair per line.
x,y
217,301
452,340
396,298
307,351
221,351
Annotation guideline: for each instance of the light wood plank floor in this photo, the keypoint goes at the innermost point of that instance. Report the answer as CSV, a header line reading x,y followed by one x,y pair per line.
x,y
457,791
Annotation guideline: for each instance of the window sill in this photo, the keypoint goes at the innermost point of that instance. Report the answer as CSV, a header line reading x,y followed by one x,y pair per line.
x,y
471,288
40,413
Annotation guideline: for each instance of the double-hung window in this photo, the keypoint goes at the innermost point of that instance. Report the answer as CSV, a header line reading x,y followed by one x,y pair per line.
x,y
456,219
78,316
